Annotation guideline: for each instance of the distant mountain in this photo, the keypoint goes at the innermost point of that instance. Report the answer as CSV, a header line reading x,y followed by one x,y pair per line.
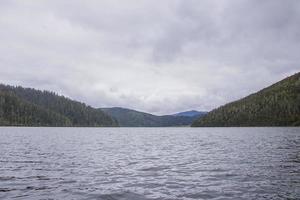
x,y
29,107
277,105
133,118
191,113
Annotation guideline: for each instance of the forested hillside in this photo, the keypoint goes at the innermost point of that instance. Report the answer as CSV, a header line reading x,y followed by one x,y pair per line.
x,y
277,105
30,107
133,118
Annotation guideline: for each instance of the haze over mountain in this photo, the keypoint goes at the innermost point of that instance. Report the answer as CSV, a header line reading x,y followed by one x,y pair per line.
x,y
132,118
191,113
277,105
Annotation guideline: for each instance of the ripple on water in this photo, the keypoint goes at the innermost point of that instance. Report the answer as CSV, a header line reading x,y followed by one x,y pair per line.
x,y
142,164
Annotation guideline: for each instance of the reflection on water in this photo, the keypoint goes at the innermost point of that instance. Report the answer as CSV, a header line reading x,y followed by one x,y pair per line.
x,y
150,163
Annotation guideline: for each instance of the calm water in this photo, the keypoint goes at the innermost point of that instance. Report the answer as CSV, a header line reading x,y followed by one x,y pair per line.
x,y
149,163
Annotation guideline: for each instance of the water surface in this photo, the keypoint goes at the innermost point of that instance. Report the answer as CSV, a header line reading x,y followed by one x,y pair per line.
x,y
149,163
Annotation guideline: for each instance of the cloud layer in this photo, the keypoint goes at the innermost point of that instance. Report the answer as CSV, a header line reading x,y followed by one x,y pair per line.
x,y
159,57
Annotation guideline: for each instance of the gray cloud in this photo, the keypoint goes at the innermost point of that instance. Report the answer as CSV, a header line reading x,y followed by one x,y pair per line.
x,y
157,57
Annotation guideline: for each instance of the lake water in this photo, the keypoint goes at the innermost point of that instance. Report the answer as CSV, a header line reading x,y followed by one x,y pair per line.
x,y
149,163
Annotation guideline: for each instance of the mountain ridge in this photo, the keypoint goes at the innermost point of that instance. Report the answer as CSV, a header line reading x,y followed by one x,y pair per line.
x,y
24,107
133,118
190,113
276,105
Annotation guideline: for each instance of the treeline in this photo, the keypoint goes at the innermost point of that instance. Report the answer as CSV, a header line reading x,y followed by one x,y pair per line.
x,y
277,105
29,107
133,118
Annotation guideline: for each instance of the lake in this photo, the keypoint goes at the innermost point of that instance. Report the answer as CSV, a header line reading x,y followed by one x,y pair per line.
x,y
149,163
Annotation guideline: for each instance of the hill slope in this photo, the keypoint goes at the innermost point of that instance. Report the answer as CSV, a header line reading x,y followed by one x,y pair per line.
x,y
133,118
277,105
16,112
30,107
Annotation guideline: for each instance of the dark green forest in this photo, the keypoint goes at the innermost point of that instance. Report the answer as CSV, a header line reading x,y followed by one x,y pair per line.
x,y
29,107
133,118
277,105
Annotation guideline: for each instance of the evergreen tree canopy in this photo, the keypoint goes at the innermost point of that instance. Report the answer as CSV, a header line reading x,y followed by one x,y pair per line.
x,y
30,107
277,105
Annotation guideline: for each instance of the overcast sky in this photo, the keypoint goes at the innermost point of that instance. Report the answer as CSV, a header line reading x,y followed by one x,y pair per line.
x,y
156,56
